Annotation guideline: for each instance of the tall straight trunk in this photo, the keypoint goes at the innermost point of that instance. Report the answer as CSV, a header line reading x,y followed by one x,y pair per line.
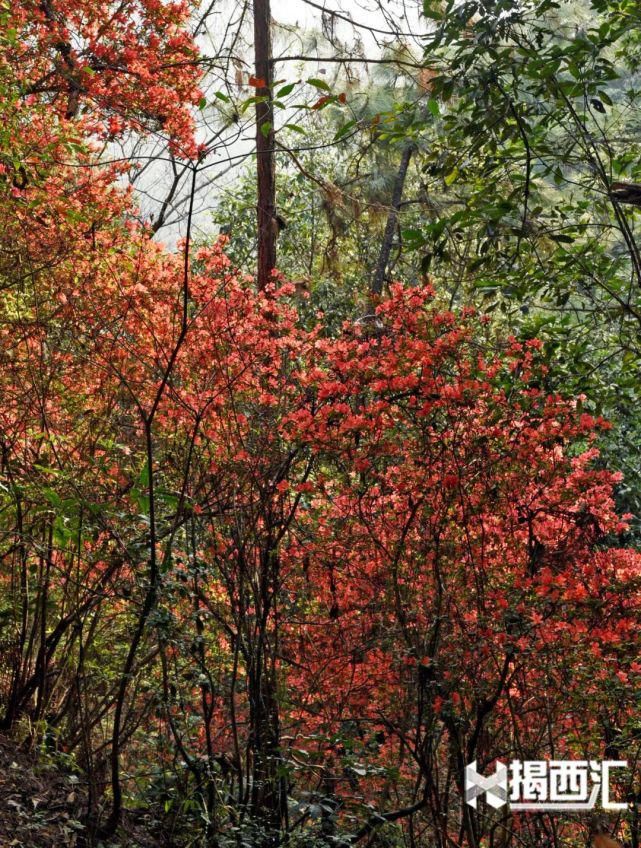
x,y
266,185
268,794
380,273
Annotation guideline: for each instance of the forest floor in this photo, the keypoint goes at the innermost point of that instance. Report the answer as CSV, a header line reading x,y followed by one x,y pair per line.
x,y
42,805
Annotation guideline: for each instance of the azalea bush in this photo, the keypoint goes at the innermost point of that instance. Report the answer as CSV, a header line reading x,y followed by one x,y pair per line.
x,y
374,555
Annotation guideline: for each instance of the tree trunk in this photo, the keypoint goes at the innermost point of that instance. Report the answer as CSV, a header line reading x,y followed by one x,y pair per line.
x,y
268,796
269,786
266,186
378,280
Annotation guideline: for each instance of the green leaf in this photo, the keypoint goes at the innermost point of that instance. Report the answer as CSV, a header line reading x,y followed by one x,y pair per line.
x,y
342,131
451,177
413,238
140,491
285,90
52,496
319,83
431,10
